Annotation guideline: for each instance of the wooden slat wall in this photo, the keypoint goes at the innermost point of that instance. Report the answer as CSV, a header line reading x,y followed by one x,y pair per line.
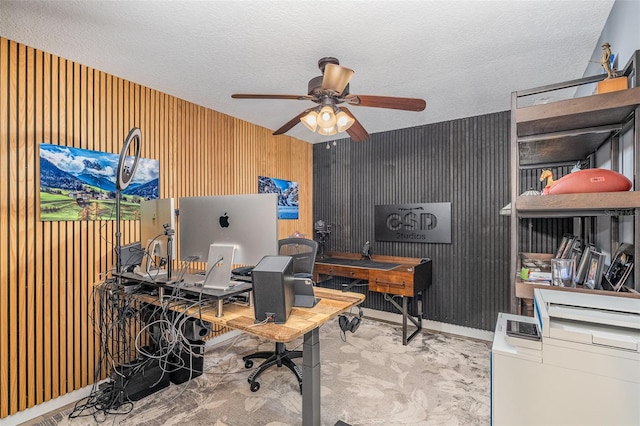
x,y
47,269
465,162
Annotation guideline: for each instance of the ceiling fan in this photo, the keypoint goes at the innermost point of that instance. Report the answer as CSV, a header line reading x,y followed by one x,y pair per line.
x,y
329,91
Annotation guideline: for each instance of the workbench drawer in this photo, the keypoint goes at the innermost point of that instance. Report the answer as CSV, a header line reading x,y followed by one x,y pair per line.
x,y
398,281
342,271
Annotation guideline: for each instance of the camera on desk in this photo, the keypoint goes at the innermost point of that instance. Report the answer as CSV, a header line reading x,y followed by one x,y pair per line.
x,y
321,227
168,230
323,230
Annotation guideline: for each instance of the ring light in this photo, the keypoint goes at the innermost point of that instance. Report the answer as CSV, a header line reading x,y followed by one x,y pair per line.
x,y
126,171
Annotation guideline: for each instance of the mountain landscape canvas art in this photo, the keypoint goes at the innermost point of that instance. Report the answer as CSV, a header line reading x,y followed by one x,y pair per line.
x,y
80,184
287,195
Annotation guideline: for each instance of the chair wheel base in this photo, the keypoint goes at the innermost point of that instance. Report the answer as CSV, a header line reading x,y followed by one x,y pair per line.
x,y
281,357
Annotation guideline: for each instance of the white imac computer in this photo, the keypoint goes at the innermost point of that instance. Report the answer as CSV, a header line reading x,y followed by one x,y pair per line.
x,y
249,222
157,233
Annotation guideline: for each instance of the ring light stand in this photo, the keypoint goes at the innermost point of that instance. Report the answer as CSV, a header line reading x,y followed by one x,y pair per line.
x,y
124,176
169,233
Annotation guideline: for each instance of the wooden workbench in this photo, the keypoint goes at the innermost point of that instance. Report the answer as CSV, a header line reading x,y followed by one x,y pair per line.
x,y
390,275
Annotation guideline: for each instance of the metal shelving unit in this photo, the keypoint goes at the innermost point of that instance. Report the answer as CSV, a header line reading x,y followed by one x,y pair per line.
x,y
565,132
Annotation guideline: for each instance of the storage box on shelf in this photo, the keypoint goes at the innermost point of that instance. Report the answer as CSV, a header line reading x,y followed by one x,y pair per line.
x,y
565,132
611,85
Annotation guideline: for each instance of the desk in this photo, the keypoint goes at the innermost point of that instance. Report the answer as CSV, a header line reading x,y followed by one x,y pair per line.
x,y
302,322
390,275
174,283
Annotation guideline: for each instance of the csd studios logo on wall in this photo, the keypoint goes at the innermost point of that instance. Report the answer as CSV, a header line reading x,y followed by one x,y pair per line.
x,y
413,223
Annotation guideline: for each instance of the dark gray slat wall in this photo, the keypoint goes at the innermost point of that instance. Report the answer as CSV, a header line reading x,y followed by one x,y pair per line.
x,y
462,161
546,233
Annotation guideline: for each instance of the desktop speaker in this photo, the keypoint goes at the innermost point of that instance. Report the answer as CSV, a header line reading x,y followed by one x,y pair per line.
x,y
273,288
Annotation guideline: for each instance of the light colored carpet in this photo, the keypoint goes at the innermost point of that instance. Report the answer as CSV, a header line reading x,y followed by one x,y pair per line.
x,y
371,379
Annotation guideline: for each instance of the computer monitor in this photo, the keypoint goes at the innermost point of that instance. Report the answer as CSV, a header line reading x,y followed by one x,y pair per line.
x,y
130,256
157,217
248,221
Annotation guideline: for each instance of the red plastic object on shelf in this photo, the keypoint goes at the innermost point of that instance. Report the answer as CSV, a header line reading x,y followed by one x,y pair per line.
x,y
590,180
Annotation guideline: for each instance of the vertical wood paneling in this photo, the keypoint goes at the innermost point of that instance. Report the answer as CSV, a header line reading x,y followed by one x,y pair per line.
x,y
29,325
85,106
12,166
66,240
4,227
36,133
465,162
54,228
46,239
48,269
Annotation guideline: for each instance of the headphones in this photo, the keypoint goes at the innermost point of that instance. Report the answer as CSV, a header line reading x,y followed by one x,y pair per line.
x,y
351,325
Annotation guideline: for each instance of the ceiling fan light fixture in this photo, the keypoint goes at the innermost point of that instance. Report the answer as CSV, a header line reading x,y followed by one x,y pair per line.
x,y
336,78
343,121
310,120
328,91
326,117
327,131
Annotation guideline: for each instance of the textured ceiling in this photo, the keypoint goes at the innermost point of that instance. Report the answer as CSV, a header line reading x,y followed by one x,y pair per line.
x,y
463,57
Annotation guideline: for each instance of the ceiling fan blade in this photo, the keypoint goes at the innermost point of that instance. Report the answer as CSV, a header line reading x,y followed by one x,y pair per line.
x,y
407,104
336,78
291,123
356,131
254,96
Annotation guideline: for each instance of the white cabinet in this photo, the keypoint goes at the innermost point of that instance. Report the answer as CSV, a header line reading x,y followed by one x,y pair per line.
x,y
586,370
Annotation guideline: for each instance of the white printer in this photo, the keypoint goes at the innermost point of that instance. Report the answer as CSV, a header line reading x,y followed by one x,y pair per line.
x,y
584,369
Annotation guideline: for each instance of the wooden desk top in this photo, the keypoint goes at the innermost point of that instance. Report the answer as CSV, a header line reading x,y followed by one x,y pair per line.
x,y
300,321
375,258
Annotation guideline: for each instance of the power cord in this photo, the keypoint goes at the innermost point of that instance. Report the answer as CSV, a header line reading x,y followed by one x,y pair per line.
x,y
264,321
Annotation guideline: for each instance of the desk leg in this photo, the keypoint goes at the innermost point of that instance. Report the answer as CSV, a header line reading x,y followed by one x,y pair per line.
x,y
405,315
220,304
311,378
404,320
353,283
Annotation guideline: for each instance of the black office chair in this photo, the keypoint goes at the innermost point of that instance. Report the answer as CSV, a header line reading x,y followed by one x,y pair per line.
x,y
303,252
